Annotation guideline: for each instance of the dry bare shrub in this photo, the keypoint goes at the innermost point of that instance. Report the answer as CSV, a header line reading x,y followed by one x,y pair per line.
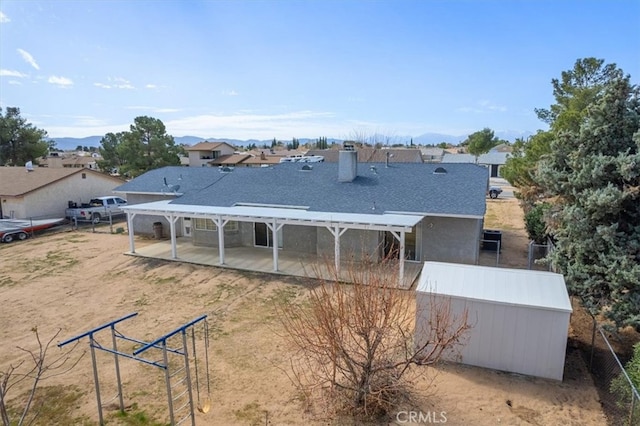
x,y
353,344
37,366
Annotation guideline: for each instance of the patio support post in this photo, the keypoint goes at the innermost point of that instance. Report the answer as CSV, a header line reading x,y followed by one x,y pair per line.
x,y
220,224
172,229
401,238
337,233
274,227
130,216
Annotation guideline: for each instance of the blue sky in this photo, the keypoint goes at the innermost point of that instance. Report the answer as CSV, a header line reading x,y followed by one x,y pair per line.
x,y
265,69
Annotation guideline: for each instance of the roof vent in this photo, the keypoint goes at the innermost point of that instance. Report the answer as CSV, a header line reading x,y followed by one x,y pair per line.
x,y
440,171
226,169
306,167
374,170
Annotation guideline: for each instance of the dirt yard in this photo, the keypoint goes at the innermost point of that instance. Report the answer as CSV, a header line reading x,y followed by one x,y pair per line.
x,y
77,280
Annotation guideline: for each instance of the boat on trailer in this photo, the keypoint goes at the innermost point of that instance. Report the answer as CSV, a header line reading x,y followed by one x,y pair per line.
x,y
21,229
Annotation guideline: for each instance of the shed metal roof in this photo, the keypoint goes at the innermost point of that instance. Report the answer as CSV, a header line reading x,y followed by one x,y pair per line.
x,y
535,289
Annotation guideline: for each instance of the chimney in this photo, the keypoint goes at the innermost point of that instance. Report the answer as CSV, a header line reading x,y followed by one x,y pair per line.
x,y
347,164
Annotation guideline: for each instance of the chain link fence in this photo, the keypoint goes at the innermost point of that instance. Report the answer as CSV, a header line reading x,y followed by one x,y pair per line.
x,y
619,397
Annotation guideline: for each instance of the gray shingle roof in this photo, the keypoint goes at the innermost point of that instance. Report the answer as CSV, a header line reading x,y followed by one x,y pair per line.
x,y
411,188
189,178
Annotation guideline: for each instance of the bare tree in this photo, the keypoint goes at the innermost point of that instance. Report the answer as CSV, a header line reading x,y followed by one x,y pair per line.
x,y
42,369
353,343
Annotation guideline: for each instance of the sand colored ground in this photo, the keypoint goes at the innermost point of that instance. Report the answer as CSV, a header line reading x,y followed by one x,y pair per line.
x,y
77,280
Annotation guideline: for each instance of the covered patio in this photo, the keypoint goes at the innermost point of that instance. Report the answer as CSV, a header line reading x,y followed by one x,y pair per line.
x,y
259,259
255,259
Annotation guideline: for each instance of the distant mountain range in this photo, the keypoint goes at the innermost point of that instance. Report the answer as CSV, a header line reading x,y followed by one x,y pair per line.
x,y
68,144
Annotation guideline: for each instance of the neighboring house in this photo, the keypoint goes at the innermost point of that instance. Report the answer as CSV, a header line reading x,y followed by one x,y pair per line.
x,y
57,160
374,155
493,160
426,211
202,153
45,192
432,154
261,159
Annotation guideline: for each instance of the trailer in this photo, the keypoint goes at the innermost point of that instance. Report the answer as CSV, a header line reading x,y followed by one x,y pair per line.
x,y
21,229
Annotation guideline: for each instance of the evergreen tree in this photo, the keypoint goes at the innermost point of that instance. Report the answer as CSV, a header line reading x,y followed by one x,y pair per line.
x,y
144,147
20,141
593,174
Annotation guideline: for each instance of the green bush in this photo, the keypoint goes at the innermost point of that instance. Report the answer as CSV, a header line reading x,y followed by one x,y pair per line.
x,y
535,224
620,385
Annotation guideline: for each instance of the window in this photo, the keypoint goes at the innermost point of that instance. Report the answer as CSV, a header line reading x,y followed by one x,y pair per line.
x,y
209,225
204,225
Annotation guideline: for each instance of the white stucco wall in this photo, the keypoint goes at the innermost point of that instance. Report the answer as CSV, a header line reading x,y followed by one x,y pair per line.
x,y
52,200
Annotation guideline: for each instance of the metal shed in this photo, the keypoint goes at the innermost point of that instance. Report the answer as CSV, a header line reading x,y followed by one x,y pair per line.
x,y
519,318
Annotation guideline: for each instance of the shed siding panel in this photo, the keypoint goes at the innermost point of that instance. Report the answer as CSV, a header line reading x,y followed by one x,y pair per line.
x,y
517,339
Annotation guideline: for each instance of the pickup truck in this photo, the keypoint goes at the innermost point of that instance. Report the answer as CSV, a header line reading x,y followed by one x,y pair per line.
x,y
96,209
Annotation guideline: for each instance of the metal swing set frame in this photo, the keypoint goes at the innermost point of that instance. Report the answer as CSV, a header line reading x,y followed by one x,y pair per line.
x,y
171,379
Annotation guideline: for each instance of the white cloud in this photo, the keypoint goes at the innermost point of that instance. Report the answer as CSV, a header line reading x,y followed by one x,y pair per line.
x,y
28,58
15,82
151,86
102,86
4,18
60,81
120,83
257,126
482,107
11,73
229,93
151,109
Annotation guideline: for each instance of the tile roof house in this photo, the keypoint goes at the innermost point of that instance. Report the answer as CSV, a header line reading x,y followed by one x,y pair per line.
x,y
45,192
202,153
417,211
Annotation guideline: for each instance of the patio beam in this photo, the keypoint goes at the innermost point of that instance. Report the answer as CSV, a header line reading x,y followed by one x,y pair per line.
x,y
220,224
401,238
132,246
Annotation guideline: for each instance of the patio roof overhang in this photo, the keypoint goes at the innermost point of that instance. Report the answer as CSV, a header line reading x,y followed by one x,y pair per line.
x,y
275,218
286,216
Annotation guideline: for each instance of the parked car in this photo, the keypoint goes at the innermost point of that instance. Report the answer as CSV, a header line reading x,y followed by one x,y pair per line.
x,y
96,209
494,191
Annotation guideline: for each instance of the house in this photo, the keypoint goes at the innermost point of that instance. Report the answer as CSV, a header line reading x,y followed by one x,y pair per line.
x,y
45,192
374,155
432,154
418,211
59,160
519,318
202,153
493,160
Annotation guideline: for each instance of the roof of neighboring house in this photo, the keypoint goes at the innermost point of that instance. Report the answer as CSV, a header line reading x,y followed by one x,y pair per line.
x,y
207,146
488,158
373,155
16,181
406,188
433,152
231,160
268,160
